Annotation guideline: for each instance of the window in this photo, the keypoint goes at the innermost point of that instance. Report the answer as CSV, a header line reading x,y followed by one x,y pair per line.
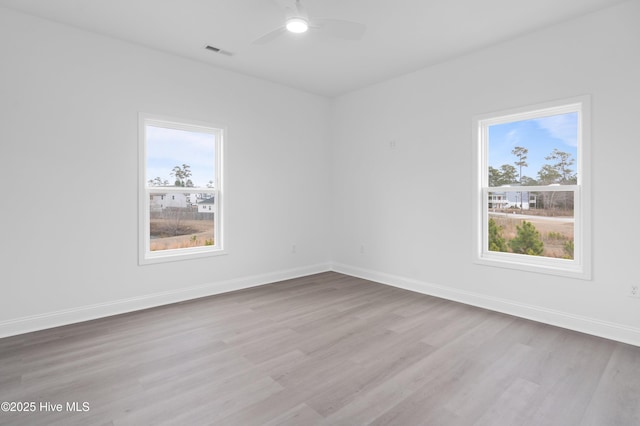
x,y
181,190
532,196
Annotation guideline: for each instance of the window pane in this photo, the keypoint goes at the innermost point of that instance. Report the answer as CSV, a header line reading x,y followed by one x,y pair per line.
x,y
180,220
532,223
180,158
538,151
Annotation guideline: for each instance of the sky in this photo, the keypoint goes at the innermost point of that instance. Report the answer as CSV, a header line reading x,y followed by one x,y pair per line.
x,y
167,148
539,135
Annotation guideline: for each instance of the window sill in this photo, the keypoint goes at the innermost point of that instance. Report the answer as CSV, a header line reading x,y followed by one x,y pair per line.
x,y
542,265
179,255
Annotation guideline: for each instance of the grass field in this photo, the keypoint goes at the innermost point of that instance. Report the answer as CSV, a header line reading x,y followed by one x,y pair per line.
x,y
190,233
554,233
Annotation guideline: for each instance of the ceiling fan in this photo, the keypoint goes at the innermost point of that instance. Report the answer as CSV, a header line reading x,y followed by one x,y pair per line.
x,y
298,21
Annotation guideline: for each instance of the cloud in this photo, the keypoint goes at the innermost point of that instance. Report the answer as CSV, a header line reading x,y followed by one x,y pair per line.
x,y
513,137
563,127
167,148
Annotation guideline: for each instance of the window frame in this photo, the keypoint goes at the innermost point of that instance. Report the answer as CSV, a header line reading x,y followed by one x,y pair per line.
x,y
146,256
578,267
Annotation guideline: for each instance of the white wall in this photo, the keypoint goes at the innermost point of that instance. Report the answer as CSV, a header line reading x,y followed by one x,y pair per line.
x,y
68,141
69,103
417,232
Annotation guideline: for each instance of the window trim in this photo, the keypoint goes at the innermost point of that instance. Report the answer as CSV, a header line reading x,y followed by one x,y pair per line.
x,y
145,256
580,266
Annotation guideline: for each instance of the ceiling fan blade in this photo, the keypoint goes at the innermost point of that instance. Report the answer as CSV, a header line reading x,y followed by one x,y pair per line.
x,y
270,36
339,28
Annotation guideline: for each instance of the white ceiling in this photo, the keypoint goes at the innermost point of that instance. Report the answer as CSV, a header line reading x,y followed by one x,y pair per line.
x,y
402,35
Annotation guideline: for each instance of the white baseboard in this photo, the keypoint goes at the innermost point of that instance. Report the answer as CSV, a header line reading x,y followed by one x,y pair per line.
x,y
608,330
85,313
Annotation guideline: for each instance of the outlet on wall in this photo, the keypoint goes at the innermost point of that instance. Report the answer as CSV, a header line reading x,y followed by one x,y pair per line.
x,y
634,290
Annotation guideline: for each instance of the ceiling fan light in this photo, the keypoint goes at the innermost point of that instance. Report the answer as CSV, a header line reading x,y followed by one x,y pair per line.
x,y
297,25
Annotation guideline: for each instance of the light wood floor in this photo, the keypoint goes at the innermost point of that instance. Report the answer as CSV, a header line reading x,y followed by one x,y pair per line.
x,y
327,349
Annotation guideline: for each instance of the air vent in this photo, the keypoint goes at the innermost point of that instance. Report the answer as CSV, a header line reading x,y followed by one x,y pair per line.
x,y
218,50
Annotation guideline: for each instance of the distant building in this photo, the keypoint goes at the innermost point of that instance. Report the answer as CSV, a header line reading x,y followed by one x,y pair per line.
x,y
511,199
207,205
160,201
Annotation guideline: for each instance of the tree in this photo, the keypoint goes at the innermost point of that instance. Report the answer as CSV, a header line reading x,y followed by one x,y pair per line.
x,y
563,173
548,175
177,173
568,249
182,175
186,172
496,241
494,176
559,172
563,166
527,240
173,221
506,175
158,182
521,153
527,181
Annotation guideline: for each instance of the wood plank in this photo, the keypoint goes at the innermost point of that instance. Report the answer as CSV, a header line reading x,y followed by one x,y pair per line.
x,y
326,349
616,401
